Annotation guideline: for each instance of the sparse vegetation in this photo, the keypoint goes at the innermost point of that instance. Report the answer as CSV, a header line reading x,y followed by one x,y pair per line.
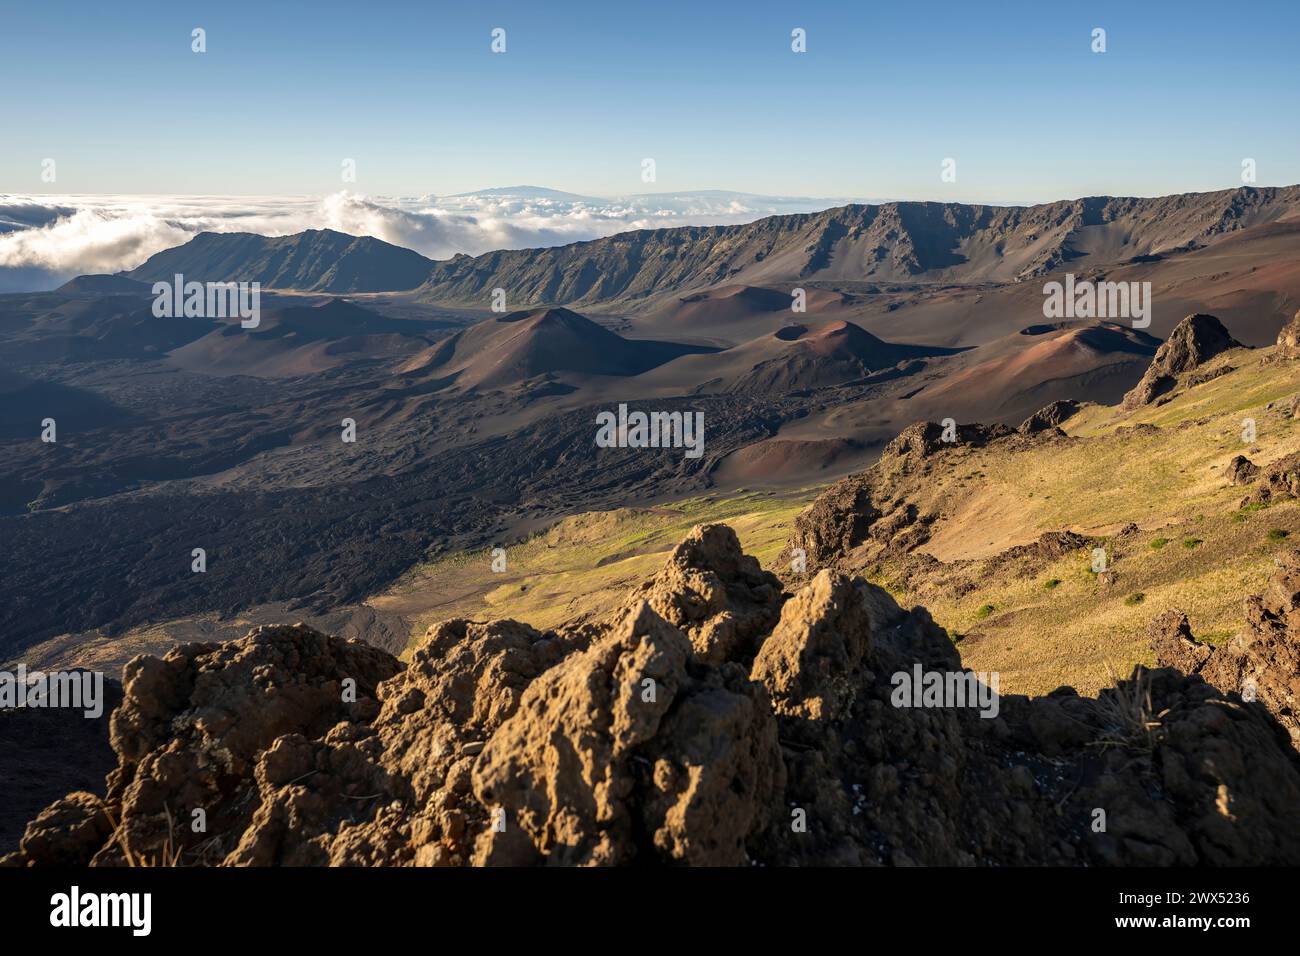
x,y
1278,534
575,567
1095,490
1127,708
1214,637
1247,510
1043,643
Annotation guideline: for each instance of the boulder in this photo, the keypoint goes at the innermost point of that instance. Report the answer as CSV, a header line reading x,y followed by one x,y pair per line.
x,y
1049,417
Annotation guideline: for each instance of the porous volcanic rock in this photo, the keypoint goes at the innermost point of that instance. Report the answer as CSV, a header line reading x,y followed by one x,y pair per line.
x,y
630,742
1241,471
631,749
719,596
195,726
809,661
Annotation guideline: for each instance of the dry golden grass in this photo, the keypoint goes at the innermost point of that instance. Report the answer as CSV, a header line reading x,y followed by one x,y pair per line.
x,y
584,565
1080,631
1170,483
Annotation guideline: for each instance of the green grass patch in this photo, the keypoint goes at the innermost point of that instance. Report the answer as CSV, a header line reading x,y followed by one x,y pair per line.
x,y
1158,543
1247,510
1214,638
1134,599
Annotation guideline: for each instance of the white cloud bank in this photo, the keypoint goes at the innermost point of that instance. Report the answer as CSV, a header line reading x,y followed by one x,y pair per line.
x,y
45,240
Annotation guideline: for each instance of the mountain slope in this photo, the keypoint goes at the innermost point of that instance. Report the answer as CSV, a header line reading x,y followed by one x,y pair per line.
x,y
1018,374
996,536
103,285
994,533
61,327
892,243
518,346
300,340
799,356
318,260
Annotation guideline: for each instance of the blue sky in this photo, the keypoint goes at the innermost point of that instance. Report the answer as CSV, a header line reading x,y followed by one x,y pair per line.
x,y
711,91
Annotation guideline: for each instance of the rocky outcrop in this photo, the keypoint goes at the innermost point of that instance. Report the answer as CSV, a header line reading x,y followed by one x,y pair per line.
x,y
835,523
1049,546
833,727
1193,342
917,442
1277,482
1288,340
202,728
1241,471
809,661
1048,417
864,507
718,595
1262,661
631,750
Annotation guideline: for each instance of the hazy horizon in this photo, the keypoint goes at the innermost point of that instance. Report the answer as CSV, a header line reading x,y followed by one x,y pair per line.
x,y
46,239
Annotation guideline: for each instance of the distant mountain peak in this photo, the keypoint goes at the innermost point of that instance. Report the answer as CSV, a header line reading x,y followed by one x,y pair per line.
x,y
316,260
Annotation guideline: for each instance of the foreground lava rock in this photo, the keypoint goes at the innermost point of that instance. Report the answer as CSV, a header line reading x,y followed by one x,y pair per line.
x,y
711,720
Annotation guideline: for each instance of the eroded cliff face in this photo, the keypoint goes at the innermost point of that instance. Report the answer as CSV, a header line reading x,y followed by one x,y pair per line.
x,y
715,720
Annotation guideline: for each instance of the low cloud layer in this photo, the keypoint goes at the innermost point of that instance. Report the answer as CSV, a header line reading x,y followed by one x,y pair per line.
x,y
45,240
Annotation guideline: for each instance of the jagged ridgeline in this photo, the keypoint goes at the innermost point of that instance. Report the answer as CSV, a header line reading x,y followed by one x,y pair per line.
x,y
716,719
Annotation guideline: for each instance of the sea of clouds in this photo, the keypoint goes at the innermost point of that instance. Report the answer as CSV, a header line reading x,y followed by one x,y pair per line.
x,y
47,239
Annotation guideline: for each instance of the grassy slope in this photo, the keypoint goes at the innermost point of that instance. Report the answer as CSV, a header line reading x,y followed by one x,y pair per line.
x,y
1080,631
1170,483
584,565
